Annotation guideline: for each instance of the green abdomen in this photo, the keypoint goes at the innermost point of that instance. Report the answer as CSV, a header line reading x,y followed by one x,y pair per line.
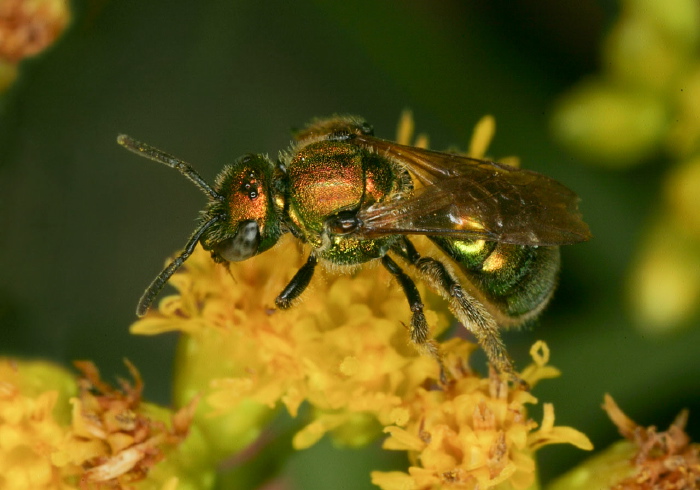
x,y
513,281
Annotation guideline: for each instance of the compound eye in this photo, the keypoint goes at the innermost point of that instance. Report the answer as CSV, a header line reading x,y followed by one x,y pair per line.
x,y
243,245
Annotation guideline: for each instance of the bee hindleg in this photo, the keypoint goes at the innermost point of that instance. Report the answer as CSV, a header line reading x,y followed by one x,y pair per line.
x,y
297,285
468,310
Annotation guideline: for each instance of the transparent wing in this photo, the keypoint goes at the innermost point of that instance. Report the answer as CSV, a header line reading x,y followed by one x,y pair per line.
x,y
470,198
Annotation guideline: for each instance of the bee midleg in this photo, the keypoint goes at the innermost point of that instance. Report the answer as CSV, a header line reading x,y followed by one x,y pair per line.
x,y
298,284
419,325
468,310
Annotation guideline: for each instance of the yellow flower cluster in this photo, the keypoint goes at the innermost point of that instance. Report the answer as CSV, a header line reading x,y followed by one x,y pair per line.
x,y
109,439
32,429
475,433
345,351
344,348
644,103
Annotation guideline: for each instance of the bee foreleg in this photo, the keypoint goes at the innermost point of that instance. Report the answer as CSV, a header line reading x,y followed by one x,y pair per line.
x,y
297,285
468,310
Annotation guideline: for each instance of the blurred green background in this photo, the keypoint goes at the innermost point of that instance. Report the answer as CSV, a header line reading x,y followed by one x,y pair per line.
x,y
85,226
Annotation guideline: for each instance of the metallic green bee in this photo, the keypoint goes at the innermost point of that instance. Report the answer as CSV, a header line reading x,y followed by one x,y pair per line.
x,y
355,198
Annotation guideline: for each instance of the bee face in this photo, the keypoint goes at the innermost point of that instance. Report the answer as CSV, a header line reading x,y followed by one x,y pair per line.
x,y
249,220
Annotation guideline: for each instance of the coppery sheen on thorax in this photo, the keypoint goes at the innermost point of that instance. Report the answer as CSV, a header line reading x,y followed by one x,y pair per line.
x,y
326,177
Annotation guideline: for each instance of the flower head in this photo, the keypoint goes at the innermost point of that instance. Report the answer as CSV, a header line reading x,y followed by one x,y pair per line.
x,y
475,433
646,459
110,439
114,436
664,460
31,425
344,349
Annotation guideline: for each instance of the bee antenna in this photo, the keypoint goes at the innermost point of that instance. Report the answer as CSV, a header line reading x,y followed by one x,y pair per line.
x,y
154,288
148,151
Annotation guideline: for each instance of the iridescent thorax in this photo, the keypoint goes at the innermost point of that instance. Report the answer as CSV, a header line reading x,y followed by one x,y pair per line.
x,y
325,177
329,178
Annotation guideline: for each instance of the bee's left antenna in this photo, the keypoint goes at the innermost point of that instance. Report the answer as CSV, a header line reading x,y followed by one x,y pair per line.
x,y
145,150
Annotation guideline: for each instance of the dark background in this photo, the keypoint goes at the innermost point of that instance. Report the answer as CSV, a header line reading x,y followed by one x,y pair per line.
x,y
85,225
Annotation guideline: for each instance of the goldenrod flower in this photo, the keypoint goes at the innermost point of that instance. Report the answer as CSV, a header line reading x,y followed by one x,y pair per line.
x,y
32,427
475,433
646,459
344,348
110,439
115,437
345,351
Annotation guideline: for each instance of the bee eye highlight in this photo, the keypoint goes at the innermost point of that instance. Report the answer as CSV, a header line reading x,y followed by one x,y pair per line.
x,y
243,245
250,186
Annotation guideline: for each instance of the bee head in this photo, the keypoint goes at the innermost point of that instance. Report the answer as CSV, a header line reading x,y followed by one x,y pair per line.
x,y
241,219
249,222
